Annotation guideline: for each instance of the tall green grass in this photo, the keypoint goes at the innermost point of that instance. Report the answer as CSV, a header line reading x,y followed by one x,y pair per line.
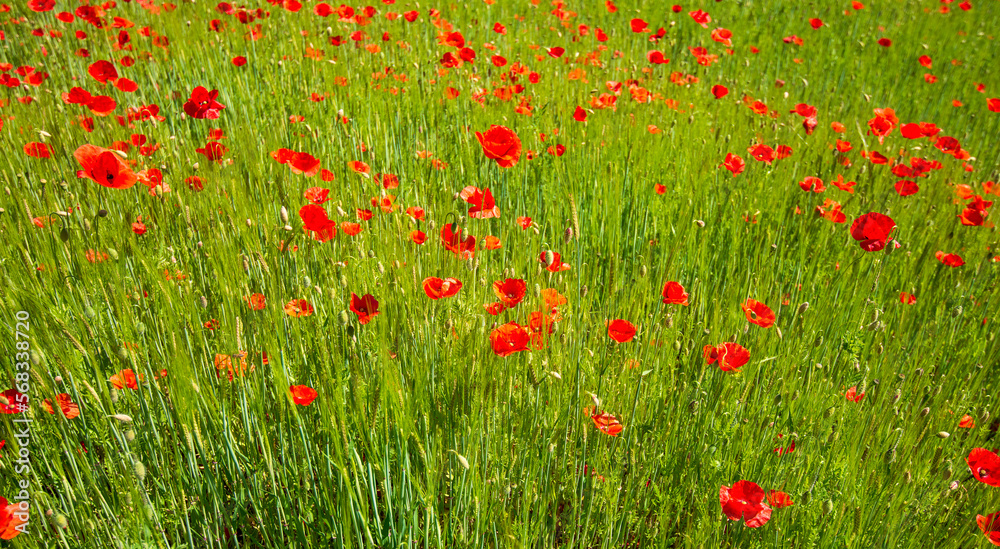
x,y
405,402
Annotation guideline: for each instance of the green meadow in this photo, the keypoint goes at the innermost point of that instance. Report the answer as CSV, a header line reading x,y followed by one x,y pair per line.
x,y
232,237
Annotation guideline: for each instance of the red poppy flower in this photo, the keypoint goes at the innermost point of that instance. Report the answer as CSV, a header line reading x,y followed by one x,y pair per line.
x,y
812,183
951,260
304,163
453,241
214,151
509,338
500,143
65,402
734,164
202,104
621,331
37,150
102,71
990,525
553,263
673,293
872,231
12,518
298,307
125,378
908,299
967,422
13,402
482,204
104,167
303,395
993,104
494,308
366,307
745,500
777,499
436,288
317,195
719,91
491,242
607,423
853,396
315,219
359,167
418,237
830,210
731,356
985,466
510,291
701,18
758,313
256,302
762,153
976,211
906,187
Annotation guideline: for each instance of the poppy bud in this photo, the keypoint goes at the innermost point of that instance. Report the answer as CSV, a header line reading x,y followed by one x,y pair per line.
x,y
699,222
341,212
896,395
919,371
568,234
943,434
36,358
61,521
804,498
677,345
130,435
946,474
371,254
925,411
89,312
122,354
64,234
381,268
937,390
344,318
283,215
102,213
350,331
287,227
139,469
777,399
827,507
956,311
778,331
829,412
819,341
643,270
343,280
880,349
113,253
307,281
87,225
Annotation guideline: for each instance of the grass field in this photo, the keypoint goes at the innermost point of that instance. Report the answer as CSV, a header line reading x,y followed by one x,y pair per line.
x,y
723,275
